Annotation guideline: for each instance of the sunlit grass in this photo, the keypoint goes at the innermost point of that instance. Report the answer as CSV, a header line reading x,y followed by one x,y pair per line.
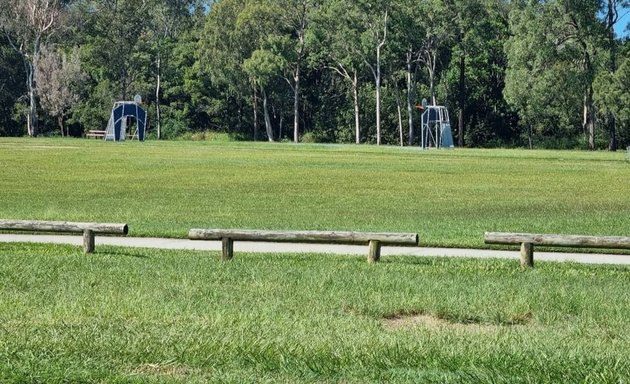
x,y
137,316
449,197
134,315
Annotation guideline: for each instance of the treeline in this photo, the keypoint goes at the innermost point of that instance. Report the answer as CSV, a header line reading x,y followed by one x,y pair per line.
x,y
512,73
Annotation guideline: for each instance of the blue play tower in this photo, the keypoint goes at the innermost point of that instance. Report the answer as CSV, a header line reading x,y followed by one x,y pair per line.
x,y
117,125
436,128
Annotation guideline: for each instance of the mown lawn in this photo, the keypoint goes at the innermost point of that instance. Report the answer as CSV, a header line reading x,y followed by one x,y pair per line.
x,y
136,316
449,197
146,316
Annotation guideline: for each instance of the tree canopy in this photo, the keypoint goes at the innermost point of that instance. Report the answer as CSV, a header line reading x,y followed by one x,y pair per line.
x,y
512,73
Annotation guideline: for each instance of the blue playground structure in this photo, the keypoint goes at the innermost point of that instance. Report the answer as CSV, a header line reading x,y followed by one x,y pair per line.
x,y
436,128
117,125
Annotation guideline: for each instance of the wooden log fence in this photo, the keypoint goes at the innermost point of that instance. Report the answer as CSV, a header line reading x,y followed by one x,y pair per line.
x,y
89,230
529,240
373,239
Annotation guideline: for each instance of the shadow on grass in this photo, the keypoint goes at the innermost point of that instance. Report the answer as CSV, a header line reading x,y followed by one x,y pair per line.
x,y
410,260
121,252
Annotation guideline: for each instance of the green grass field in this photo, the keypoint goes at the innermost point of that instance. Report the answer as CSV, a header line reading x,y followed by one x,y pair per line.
x,y
139,316
449,197
148,316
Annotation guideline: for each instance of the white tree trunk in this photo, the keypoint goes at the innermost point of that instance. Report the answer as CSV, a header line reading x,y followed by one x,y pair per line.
x,y
157,97
355,95
589,123
400,120
268,127
411,95
255,109
32,91
296,105
378,95
377,76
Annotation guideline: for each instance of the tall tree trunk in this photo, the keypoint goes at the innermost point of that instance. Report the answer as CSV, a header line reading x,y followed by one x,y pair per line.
x,y
32,122
355,96
378,95
28,70
255,108
33,129
611,20
158,85
400,119
462,99
411,93
377,80
612,132
268,127
432,87
60,123
123,84
280,125
33,20
589,108
589,119
296,105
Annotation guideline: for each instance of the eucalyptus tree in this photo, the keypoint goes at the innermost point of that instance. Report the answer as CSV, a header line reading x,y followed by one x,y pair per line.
x,y
583,29
295,20
12,86
191,99
524,51
337,34
27,24
409,30
262,66
260,22
438,35
467,15
374,25
114,47
477,69
612,95
60,79
551,66
167,20
239,36
610,11
223,48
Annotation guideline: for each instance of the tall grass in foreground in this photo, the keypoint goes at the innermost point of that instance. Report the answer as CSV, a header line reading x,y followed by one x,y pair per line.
x,y
136,316
449,197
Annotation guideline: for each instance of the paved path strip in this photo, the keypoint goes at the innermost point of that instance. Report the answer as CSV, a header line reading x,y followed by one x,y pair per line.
x,y
264,247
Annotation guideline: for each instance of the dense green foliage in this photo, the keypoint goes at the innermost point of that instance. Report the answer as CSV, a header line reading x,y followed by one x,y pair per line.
x,y
147,316
449,197
513,73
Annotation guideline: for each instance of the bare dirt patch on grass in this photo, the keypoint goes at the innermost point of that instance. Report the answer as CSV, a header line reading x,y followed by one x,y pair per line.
x,y
396,322
163,369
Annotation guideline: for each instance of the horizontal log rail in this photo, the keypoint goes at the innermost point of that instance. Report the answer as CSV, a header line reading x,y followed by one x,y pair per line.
x,y
373,239
87,229
529,240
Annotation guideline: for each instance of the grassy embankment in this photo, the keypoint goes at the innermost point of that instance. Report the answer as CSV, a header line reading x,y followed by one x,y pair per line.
x,y
449,197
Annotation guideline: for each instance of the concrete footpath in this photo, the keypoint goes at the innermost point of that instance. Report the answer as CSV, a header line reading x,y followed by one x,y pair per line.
x,y
263,247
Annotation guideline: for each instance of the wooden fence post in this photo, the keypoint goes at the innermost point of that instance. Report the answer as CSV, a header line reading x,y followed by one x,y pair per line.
x,y
374,253
228,249
527,255
88,241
